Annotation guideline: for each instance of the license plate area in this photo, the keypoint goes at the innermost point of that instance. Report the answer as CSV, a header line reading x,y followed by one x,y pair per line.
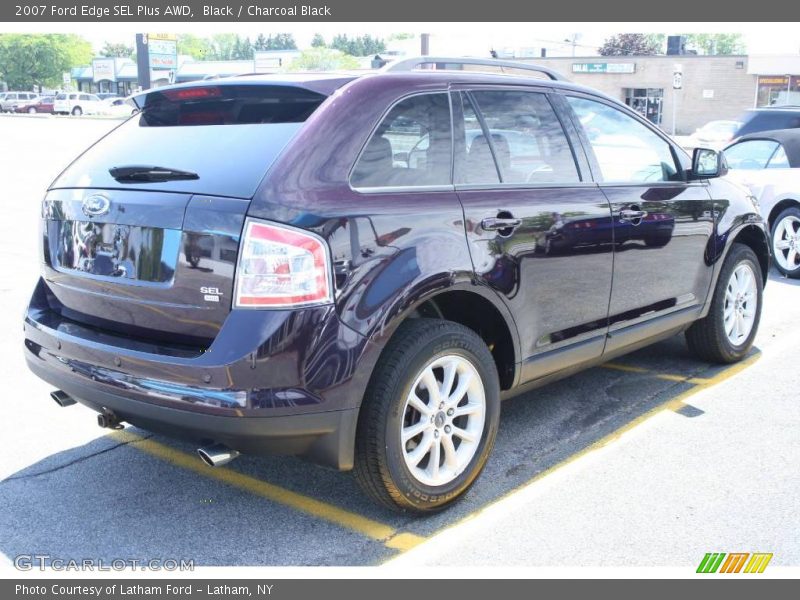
x,y
113,251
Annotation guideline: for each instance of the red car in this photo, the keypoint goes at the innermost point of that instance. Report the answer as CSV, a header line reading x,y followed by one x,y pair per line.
x,y
42,105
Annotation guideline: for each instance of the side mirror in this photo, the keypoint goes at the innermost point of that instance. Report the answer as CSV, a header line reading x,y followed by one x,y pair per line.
x,y
707,163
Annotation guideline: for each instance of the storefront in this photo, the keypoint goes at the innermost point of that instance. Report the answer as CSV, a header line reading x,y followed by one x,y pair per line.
x,y
647,102
777,90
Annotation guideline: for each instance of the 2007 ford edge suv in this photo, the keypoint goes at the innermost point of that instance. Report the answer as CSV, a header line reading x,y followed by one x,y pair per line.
x,y
357,269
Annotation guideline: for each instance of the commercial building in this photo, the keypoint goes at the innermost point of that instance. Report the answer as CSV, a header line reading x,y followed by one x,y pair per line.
x,y
712,87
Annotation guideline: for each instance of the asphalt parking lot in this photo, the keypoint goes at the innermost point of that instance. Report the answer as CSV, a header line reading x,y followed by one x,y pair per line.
x,y
651,460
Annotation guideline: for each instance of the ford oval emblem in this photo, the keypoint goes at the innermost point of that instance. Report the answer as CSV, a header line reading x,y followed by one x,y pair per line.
x,y
96,205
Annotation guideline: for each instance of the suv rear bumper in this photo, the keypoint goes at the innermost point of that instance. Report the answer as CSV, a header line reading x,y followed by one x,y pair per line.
x,y
253,390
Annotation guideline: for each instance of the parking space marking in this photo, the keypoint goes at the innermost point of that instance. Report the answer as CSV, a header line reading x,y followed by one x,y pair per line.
x,y
664,376
674,404
374,530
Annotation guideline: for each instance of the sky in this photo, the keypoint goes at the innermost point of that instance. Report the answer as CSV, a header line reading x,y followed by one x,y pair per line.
x,y
457,38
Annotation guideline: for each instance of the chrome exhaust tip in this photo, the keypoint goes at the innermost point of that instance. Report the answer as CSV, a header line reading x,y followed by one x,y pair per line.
x,y
62,398
216,455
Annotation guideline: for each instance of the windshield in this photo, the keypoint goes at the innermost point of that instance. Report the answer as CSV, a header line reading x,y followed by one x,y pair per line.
x,y
228,141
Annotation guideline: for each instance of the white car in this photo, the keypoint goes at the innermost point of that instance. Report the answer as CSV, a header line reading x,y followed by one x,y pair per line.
x,y
118,107
768,163
714,134
77,104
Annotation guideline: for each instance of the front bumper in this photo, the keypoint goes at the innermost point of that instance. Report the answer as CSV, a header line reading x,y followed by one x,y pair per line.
x,y
272,382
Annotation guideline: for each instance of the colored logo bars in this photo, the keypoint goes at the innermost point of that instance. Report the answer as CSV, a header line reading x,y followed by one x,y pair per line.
x,y
733,562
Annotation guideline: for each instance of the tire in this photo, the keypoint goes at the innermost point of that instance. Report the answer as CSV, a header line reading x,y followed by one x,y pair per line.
x,y
381,463
31,111
77,111
786,233
657,241
708,338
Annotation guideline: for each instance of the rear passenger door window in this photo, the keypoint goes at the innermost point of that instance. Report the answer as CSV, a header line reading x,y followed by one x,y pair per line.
x,y
514,136
412,147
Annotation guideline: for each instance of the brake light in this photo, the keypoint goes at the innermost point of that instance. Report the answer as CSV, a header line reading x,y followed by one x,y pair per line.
x,y
281,267
193,93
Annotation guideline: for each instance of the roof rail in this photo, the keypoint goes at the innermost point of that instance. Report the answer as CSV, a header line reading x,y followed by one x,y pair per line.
x,y
409,64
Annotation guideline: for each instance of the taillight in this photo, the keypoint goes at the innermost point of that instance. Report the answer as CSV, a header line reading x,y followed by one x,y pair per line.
x,y
281,267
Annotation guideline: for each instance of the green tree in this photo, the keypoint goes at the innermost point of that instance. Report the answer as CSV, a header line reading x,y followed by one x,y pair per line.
x,y
281,41
260,43
196,47
39,60
715,43
116,50
318,41
365,45
323,59
628,44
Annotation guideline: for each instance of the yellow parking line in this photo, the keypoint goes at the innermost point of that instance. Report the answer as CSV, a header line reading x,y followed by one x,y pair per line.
x,y
665,376
375,530
672,404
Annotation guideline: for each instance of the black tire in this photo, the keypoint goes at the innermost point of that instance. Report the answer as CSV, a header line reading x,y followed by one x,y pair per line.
x,y
31,111
77,111
380,467
706,338
792,211
658,240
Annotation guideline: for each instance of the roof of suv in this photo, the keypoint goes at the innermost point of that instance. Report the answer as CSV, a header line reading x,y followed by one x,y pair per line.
x,y
328,82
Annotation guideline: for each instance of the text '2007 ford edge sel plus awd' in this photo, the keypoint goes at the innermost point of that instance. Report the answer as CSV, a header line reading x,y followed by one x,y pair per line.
x,y
357,269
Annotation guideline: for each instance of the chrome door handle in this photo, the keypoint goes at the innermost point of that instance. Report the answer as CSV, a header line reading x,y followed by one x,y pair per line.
x,y
497,223
632,215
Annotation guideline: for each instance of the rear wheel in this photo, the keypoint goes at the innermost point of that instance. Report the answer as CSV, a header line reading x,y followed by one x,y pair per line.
x,y
429,417
31,111
786,242
77,111
726,334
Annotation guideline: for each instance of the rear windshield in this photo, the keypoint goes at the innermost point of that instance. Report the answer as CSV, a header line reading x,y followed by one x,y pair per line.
x,y
227,135
769,120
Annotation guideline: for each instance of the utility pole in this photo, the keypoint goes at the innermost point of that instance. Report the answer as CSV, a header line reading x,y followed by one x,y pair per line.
x,y
677,84
425,44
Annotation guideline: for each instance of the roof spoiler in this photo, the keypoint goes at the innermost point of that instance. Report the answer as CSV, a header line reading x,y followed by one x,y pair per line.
x,y
410,64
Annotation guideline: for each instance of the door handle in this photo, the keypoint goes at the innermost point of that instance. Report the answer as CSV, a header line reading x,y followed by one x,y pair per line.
x,y
499,223
629,214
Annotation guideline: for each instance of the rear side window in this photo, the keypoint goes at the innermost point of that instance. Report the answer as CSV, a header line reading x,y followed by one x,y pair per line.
x,y
412,147
626,150
61,97
228,136
521,131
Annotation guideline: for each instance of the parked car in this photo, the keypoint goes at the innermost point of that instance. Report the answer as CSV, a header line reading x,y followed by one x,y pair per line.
x,y
77,104
106,95
10,100
714,134
769,164
258,264
768,119
118,107
40,105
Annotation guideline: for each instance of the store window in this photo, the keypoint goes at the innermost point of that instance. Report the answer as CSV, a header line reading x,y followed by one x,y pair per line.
x,y
646,101
778,90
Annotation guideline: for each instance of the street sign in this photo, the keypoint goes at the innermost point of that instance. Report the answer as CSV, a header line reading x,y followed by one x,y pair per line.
x,y
677,77
66,78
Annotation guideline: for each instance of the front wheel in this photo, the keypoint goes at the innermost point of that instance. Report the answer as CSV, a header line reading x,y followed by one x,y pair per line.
x,y
786,242
726,334
31,111
77,111
429,417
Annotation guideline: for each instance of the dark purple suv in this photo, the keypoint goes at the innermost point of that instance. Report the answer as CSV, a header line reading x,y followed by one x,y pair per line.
x,y
357,269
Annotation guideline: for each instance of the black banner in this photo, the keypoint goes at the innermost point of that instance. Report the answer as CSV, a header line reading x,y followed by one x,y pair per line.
x,y
405,11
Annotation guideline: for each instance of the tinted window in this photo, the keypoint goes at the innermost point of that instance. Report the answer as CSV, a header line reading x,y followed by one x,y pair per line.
x,y
411,147
525,138
61,97
750,154
626,150
229,140
769,120
475,163
85,97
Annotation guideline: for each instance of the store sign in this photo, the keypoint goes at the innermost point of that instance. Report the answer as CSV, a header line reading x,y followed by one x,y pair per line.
x,y
603,67
104,69
163,53
773,80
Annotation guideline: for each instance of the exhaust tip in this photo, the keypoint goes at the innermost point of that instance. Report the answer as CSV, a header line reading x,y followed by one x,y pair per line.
x,y
216,455
62,398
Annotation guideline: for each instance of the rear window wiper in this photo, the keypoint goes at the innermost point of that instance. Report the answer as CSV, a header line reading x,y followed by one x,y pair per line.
x,y
148,174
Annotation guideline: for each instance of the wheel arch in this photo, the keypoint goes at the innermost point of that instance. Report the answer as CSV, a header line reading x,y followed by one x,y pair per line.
x,y
473,306
753,237
779,208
